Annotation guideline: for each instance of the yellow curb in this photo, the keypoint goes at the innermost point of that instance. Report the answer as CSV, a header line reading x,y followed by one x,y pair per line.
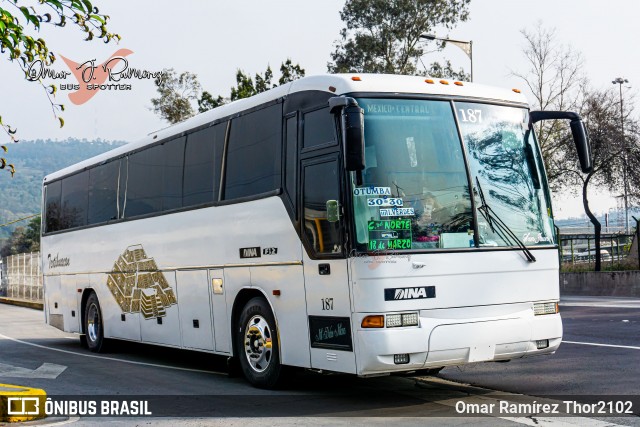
x,y
22,303
18,403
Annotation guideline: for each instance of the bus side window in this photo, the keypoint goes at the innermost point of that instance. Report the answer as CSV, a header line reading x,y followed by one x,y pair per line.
x,y
144,184
291,157
319,129
52,206
254,155
75,200
103,190
202,165
321,184
173,153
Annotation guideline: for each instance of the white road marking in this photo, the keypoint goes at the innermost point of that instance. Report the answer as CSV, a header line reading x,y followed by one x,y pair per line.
x,y
48,371
95,356
599,304
602,345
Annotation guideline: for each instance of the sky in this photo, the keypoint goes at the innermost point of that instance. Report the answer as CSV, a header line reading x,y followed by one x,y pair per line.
x,y
213,39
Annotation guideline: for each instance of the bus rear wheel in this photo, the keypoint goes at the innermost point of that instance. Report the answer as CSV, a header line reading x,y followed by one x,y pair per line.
x,y
257,345
93,325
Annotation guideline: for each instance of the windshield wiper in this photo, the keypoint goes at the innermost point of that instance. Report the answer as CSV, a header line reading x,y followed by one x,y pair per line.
x,y
499,227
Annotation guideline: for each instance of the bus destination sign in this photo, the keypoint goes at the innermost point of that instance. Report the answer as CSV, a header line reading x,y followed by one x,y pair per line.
x,y
389,234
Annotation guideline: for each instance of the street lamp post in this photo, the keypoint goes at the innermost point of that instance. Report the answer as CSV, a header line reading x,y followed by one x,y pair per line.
x,y
620,81
467,47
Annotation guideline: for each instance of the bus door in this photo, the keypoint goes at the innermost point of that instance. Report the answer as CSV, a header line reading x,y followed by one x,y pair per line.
x,y
325,265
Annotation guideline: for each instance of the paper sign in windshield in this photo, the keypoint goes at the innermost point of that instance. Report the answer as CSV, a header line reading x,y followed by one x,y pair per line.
x,y
397,212
389,234
385,201
372,191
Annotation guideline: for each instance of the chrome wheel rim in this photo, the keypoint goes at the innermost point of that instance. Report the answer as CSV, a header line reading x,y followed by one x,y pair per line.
x,y
258,343
93,323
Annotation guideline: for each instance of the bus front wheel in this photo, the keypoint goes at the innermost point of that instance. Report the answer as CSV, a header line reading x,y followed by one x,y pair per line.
x,y
257,345
93,325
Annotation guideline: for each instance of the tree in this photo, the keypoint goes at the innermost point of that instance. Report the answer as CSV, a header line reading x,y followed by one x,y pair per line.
x,y
245,86
290,72
207,102
23,239
447,72
384,36
176,92
22,47
555,79
609,149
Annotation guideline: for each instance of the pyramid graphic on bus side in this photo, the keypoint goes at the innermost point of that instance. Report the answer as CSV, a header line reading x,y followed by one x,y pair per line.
x,y
138,286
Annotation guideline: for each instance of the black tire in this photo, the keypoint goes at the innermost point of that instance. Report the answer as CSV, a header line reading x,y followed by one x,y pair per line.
x,y
93,325
257,345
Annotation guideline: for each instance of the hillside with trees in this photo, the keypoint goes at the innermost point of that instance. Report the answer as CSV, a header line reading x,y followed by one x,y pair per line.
x,y
21,195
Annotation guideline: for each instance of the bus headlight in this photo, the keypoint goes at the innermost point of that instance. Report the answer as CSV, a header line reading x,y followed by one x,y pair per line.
x,y
392,320
404,319
540,308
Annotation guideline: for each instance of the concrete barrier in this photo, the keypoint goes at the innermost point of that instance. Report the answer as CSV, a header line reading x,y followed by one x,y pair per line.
x,y
602,283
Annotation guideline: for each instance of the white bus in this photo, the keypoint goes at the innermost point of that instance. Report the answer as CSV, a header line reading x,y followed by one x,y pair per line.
x,y
365,224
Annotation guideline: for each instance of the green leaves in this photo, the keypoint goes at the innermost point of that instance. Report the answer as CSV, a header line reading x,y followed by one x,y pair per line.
x,y
384,37
23,48
4,165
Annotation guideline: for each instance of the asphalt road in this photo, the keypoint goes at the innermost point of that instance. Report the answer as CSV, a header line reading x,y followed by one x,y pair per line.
x,y
197,385
599,355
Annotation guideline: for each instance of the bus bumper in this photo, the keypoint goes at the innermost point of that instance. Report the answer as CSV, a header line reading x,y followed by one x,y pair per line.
x,y
448,342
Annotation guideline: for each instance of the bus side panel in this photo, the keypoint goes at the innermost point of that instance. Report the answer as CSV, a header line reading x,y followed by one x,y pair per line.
x,y
69,296
289,308
329,309
160,324
114,325
53,302
220,311
195,311
235,279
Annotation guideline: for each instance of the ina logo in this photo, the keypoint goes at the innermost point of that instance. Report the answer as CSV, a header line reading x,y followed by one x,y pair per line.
x,y
250,252
410,293
391,294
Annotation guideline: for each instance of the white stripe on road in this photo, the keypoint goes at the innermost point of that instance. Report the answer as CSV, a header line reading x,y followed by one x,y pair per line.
x,y
598,304
602,345
132,362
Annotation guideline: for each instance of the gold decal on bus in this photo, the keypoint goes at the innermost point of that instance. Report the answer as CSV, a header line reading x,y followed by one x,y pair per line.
x,y
138,286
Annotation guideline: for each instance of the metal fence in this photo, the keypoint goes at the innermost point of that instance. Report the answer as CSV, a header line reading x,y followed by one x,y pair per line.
x,y
581,249
21,277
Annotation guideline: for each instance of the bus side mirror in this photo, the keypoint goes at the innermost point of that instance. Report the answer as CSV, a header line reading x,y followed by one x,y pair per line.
x,y
333,211
581,139
354,138
352,123
578,130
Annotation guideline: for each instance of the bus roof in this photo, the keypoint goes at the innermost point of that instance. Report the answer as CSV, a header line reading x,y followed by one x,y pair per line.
x,y
338,84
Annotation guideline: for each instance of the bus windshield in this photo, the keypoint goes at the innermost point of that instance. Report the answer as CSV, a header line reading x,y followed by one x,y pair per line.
x,y
415,193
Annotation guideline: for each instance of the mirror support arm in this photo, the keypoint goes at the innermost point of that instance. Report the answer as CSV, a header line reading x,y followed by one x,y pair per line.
x,y
578,130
